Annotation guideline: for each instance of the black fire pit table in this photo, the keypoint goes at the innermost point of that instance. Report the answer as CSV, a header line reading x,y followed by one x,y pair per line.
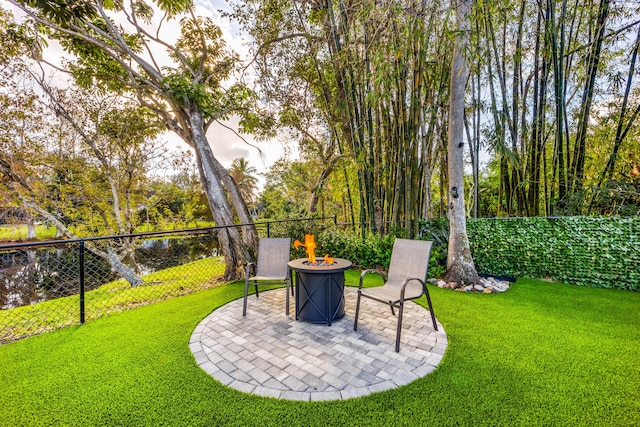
x,y
319,289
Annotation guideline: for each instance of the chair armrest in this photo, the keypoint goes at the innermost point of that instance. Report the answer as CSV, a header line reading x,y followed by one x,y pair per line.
x,y
406,282
249,266
365,272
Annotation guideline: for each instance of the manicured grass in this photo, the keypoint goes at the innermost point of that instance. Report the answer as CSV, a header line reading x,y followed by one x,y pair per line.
x,y
110,298
540,354
19,232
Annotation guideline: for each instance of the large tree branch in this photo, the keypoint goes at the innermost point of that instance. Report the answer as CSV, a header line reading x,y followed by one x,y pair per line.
x,y
113,50
156,39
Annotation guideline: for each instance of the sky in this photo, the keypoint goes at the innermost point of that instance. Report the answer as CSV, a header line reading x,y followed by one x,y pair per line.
x,y
226,145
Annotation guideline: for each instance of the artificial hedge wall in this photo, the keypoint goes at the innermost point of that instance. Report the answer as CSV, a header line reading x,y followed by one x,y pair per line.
x,y
591,251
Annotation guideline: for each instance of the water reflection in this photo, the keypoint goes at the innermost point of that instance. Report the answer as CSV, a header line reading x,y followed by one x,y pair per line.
x,y
32,276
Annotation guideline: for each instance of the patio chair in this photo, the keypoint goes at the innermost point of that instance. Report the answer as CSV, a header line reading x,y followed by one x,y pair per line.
x,y
271,268
405,280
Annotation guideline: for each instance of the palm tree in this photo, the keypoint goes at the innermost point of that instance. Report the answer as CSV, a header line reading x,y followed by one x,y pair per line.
x,y
242,175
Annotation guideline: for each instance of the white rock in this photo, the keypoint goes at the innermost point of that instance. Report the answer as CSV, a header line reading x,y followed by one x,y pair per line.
x,y
501,286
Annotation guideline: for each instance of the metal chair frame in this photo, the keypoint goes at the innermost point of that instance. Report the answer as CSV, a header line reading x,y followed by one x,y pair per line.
x,y
415,252
270,269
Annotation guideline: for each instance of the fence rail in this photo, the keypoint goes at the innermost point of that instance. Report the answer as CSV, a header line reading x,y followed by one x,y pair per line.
x,y
48,285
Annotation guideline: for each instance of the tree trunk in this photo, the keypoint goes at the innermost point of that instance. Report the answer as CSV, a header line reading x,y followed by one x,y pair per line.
x,y
593,59
460,266
557,55
110,256
249,233
31,226
236,252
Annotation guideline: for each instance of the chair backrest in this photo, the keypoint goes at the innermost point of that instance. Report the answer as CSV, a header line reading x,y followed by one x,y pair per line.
x,y
409,259
273,256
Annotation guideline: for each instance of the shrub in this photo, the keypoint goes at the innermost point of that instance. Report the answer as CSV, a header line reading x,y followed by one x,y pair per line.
x,y
372,251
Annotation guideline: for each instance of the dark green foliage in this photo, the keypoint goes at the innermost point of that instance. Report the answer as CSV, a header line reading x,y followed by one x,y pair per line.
x,y
591,251
295,229
372,251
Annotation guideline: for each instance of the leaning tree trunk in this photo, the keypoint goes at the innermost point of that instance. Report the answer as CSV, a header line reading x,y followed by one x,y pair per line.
x,y
110,256
249,232
236,252
460,266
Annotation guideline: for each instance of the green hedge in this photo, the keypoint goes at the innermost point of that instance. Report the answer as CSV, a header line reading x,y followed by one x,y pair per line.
x,y
371,251
592,251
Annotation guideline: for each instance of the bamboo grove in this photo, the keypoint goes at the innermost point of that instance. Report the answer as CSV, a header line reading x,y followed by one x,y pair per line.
x,y
552,104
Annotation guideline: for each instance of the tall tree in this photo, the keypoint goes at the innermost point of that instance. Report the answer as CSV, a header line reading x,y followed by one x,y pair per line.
x,y
370,72
187,90
460,265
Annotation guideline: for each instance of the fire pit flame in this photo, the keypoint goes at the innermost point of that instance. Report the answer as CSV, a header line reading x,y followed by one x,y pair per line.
x,y
310,247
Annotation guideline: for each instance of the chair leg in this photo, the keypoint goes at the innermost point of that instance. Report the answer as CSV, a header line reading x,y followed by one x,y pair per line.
x,y
355,322
400,310
256,286
433,316
287,293
246,292
292,287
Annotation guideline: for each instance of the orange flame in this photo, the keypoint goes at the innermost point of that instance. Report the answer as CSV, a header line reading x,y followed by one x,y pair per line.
x,y
309,245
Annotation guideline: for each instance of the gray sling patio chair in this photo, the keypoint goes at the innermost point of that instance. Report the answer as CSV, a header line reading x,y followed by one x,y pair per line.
x,y
405,280
271,268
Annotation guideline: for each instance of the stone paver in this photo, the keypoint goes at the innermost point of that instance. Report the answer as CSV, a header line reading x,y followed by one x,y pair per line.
x,y
270,354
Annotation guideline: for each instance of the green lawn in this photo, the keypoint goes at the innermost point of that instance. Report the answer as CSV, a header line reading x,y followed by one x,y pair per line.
x,y
110,298
540,354
19,232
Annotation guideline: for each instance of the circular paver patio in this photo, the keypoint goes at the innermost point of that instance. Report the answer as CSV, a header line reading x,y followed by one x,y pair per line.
x,y
268,353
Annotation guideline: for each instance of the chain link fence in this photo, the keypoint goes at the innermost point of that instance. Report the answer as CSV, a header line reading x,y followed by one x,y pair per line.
x,y
48,285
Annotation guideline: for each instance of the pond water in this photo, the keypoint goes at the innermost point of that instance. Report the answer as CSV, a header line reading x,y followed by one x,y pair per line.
x,y
40,274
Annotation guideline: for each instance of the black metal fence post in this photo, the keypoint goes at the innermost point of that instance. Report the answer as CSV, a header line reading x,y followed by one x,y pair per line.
x,y
81,256
268,230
